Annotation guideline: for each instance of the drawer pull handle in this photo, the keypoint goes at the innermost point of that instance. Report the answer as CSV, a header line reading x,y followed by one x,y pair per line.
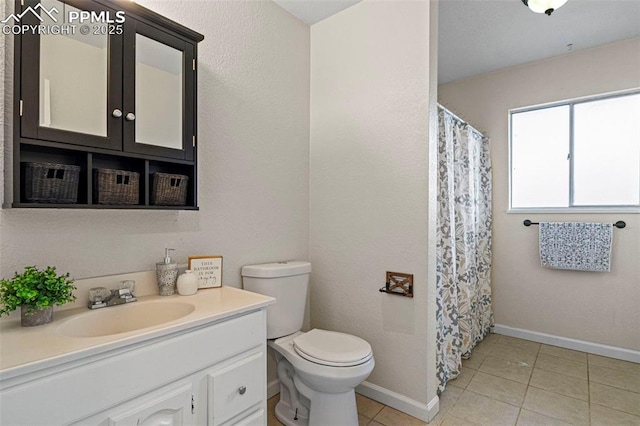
x,y
242,390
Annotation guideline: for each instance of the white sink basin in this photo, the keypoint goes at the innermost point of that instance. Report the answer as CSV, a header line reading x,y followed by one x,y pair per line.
x,y
124,318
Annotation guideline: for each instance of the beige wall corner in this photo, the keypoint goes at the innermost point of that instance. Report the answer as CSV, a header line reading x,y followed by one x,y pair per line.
x,y
603,308
369,183
432,381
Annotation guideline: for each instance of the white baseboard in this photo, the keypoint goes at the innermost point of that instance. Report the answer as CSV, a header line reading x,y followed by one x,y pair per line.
x,y
433,407
424,412
273,388
569,343
384,396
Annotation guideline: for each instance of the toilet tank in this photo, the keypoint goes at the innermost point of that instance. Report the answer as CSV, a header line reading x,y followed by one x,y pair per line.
x,y
287,282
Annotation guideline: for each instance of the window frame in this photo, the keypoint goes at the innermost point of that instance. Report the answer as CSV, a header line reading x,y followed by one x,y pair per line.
x,y
571,208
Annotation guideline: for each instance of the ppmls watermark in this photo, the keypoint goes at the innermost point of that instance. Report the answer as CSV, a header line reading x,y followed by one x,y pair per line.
x,y
74,22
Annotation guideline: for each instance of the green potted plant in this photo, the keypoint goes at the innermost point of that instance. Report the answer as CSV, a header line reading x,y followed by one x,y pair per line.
x,y
35,292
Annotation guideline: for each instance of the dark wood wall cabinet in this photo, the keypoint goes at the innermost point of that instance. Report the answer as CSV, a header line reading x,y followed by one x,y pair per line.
x,y
107,107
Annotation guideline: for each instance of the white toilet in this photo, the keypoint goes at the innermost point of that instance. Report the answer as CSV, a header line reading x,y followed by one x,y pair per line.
x,y
318,370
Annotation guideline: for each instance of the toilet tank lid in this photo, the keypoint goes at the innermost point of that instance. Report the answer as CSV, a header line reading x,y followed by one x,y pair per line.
x,y
277,269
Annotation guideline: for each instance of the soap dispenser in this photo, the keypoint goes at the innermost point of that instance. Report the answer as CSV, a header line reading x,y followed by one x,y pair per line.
x,y
167,274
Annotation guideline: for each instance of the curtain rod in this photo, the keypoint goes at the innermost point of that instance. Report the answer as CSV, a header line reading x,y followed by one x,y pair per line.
x,y
460,119
451,112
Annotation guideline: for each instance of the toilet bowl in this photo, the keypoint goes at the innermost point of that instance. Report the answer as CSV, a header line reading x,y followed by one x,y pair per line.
x,y
318,370
326,366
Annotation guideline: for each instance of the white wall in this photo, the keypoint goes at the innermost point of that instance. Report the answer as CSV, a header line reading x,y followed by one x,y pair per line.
x,y
596,307
369,183
253,122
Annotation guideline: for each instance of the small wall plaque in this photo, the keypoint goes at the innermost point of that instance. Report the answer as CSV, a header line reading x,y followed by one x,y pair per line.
x,y
208,269
398,283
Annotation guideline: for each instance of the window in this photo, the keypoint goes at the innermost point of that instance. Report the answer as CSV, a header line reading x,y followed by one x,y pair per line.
x,y
577,154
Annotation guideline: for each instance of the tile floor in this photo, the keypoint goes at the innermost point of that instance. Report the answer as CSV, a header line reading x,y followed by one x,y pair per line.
x,y
509,381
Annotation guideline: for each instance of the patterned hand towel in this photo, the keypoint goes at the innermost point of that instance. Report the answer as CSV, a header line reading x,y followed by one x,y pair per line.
x,y
576,246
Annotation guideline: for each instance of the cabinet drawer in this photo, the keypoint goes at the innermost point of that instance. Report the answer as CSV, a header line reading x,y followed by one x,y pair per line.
x,y
236,387
256,419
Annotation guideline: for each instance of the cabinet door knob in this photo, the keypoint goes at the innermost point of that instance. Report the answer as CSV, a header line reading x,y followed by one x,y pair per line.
x,y
116,113
242,390
130,117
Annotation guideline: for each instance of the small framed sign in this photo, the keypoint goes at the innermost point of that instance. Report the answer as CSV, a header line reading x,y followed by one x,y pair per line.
x,y
208,269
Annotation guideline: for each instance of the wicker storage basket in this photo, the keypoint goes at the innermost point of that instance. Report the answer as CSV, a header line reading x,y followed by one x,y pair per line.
x,y
116,186
169,189
51,183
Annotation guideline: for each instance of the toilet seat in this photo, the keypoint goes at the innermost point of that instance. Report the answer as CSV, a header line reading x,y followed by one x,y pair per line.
x,y
332,348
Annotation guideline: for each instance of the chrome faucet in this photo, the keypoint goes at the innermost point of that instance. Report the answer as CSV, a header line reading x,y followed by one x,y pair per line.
x,y
101,297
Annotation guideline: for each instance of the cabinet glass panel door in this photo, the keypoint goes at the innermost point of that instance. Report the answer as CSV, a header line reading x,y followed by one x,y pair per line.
x,y
159,93
73,77
66,85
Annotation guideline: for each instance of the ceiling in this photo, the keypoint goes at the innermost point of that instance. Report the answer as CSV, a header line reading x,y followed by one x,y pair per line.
x,y
478,36
312,11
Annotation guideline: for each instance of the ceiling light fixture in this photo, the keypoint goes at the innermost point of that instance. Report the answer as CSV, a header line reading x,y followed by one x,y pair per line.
x,y
544,6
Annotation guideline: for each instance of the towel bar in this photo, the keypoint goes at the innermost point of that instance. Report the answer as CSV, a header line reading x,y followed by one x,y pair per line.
x,y
619,224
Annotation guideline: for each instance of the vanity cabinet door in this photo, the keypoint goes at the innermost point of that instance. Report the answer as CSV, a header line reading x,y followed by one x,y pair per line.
x,y
71,83
170,406
159,91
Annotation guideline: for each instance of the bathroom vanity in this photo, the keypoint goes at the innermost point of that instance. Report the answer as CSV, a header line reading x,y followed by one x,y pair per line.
x,y
197,360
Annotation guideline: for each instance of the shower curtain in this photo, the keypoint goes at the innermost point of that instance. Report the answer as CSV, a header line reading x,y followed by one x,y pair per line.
x,y
464,314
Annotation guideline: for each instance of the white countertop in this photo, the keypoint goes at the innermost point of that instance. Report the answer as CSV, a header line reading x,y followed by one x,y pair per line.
x,y
27,349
